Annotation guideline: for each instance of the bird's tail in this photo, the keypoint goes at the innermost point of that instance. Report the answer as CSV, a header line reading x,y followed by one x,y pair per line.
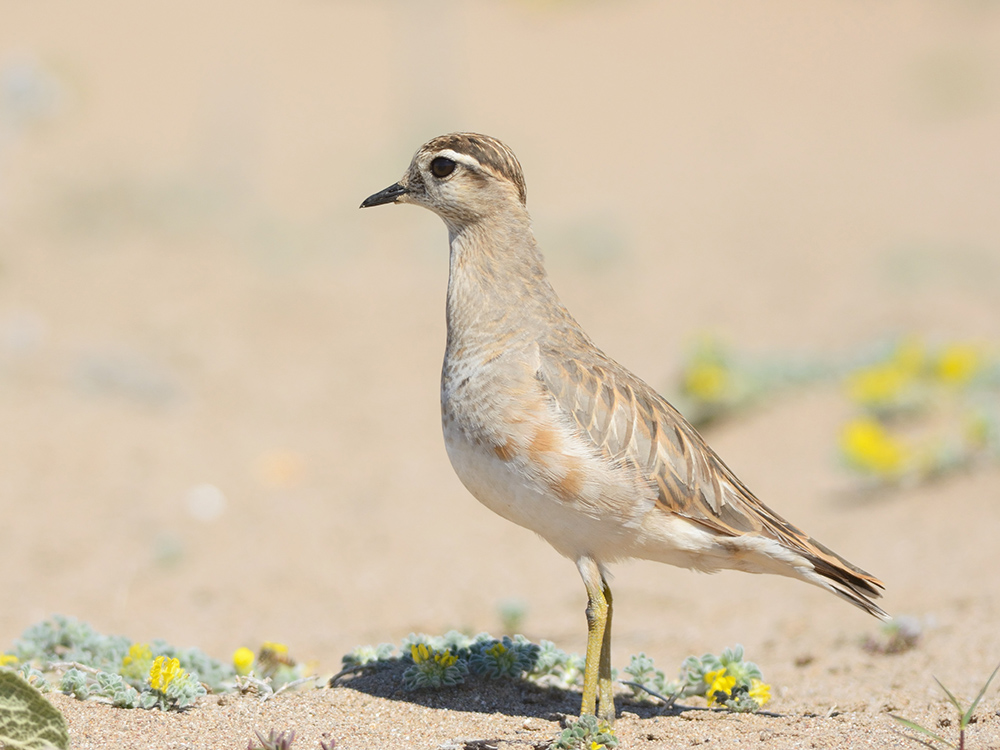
x,y
846,580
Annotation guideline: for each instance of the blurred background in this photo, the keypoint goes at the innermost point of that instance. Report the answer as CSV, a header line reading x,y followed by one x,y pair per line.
x,y
219,379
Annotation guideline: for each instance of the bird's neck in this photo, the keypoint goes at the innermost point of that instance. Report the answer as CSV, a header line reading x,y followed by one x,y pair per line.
x,y
497,281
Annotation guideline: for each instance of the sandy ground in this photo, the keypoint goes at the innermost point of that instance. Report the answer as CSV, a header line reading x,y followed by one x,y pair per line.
x,y
218,378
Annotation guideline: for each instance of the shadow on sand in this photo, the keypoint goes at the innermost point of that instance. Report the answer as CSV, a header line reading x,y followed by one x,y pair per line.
x,y
518,698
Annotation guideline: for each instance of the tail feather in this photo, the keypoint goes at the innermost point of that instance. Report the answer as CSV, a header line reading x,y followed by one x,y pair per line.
x,y
847,581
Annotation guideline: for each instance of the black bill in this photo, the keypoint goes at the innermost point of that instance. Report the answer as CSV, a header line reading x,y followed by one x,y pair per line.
x,y
389,195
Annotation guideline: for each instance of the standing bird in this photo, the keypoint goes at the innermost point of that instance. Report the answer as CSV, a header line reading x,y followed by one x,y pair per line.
x,y
546,430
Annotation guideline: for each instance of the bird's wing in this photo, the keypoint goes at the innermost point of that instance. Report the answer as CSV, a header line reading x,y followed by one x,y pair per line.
x,y
634,427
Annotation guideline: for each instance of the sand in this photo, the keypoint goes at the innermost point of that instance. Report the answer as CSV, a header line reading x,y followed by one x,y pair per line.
x,y
219,378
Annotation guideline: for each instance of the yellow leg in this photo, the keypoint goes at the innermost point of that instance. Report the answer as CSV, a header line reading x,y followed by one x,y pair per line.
x,y
597,671
605,689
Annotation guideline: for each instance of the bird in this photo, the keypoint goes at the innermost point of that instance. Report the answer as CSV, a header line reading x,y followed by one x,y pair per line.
x,y
548,431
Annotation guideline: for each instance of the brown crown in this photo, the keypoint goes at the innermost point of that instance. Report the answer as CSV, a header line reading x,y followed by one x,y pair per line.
x,y
489,152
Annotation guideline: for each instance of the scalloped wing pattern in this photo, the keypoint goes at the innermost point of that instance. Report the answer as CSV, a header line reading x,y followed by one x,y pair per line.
x,y
634,428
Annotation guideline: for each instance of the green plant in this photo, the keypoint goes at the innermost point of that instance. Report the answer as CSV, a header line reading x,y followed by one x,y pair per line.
x,y
165,686
716,382
74,682
115,670
115,689
964,717
433,669
556,668
136,664
726,680
505,658
646,678
66,639
34,677
437,662
363,656
443,661
270,671
170,686
27,720
895,636
922,409
586,733
511,613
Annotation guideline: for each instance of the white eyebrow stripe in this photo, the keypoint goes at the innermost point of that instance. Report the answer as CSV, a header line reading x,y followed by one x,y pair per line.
x,y
455,156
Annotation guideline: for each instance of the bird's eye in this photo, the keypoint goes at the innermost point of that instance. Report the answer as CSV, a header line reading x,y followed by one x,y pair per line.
x,y
442,166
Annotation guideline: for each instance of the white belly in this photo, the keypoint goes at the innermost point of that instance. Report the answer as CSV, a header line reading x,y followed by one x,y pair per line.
x,y
505,488
619,527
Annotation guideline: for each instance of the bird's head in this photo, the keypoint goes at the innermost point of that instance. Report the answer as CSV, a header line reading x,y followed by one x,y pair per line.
x,y
462,177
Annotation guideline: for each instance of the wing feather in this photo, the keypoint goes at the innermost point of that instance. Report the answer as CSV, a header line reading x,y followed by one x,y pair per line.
x,y
631,425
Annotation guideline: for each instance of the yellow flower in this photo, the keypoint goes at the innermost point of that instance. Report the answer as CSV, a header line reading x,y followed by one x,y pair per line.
x,y
272,658
163,672
706,381
718,682
886,382
880,384
497,649
958,363
910,355
243,660
420,653
137,654
136,663
760,691
603,728
278,649
867,445
7,660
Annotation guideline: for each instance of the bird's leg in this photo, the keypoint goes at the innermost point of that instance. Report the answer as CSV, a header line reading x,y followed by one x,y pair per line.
x,y
597,614
605,689
598,663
